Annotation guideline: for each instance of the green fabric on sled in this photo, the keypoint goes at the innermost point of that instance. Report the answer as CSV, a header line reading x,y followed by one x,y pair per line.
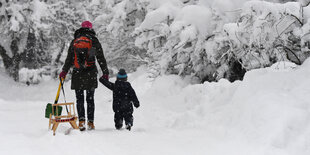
x,y
48,110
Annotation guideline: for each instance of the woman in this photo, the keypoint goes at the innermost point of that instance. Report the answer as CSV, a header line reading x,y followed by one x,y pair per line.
x,y
84,49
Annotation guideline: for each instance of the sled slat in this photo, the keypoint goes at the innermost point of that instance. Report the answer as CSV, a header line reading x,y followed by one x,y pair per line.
x,y
61,104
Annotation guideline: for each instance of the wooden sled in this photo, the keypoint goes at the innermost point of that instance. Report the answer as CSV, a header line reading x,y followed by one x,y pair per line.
x,y
55,118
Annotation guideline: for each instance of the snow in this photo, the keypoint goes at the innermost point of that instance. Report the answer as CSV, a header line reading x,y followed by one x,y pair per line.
x,y
29,75
154,4
229,9
265,114
95,2
16,17
40,10
163,13
198,16
268,113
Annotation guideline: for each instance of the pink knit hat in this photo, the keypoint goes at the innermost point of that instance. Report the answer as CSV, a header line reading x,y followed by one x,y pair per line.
x,y
87,24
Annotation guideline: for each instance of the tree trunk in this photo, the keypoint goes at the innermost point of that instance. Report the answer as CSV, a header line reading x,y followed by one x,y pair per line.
x,y
11,64
29,57
57,60
13,67
7,61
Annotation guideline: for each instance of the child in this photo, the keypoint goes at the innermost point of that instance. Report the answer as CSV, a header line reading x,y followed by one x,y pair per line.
x,y
123,98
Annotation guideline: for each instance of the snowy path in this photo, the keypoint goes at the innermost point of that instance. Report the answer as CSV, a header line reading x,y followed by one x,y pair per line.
x,y
24,128
25,132
266,114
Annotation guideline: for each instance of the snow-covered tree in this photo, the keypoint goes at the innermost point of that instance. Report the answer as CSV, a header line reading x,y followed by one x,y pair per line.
x,y
266,33
215,45
22,31
204,39
115,26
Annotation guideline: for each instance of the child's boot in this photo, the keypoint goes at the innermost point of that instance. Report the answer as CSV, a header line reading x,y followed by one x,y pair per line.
x,y
129,122
128,126
118,123
118,126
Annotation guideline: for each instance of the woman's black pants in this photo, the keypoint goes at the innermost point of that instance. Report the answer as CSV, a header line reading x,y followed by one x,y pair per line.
x,y
90,104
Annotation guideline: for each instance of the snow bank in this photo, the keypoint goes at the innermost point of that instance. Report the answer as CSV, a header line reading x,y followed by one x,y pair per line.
x,y
269,110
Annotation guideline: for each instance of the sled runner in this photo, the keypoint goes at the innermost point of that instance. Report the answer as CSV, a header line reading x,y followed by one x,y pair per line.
x,y
54,112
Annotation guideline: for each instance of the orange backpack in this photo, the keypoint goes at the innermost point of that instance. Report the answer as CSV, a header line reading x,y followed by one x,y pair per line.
x,y
84,55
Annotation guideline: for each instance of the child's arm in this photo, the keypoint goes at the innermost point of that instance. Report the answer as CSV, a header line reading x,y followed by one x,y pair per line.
x,y
133,97
107,83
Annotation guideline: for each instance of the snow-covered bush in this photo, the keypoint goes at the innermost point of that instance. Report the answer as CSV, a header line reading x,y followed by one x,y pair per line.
x,y
176,36
203,40
266,33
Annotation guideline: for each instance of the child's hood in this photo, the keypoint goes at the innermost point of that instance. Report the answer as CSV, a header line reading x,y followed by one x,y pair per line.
x,y
122,84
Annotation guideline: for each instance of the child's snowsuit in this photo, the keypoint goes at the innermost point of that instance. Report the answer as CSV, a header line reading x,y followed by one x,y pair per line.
x,y
124,97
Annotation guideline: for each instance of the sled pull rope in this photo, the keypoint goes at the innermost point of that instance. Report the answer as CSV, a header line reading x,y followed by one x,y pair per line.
x,y
62,81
